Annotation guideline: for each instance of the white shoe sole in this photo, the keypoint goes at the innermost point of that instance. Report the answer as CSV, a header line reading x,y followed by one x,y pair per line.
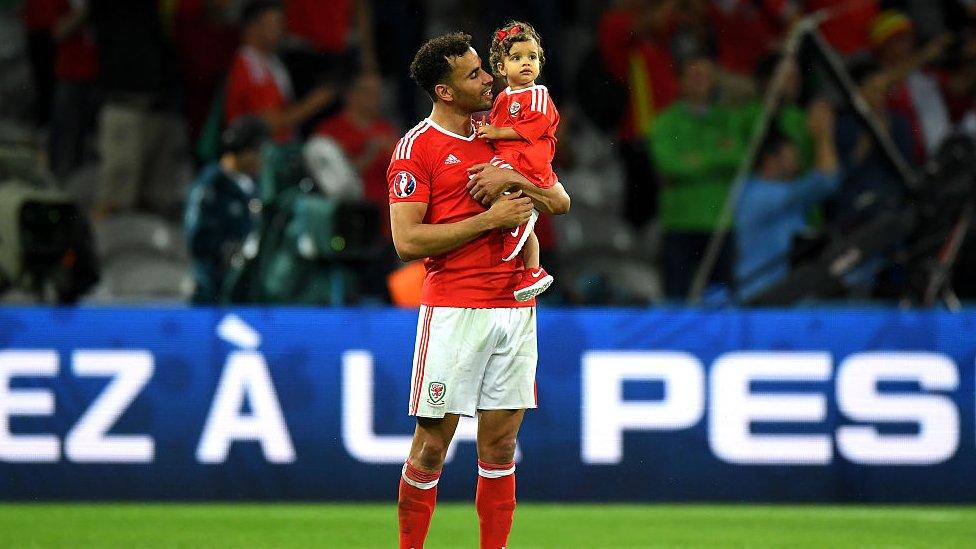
x,y
529,225
529,292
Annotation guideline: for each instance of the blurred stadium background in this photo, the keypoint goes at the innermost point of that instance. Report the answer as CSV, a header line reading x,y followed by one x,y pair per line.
x,y
761,331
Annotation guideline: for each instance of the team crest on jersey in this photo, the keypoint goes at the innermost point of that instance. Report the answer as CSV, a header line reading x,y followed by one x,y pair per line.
x,y
436,391
514,107
404,184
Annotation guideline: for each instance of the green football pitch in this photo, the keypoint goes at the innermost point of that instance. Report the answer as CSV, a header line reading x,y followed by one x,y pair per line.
x,y
455,525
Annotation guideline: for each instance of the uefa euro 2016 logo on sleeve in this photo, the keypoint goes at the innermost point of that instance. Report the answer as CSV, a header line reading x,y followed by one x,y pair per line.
x,y
404,185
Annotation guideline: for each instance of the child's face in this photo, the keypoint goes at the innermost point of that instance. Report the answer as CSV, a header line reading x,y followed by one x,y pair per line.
x,y
521,65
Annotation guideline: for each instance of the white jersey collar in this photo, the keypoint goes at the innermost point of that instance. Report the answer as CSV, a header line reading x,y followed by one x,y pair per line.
x,y
450,133
510,91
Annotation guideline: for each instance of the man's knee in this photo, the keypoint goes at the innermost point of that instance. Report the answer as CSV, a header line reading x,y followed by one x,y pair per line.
x,y
499,449
431,440
430,453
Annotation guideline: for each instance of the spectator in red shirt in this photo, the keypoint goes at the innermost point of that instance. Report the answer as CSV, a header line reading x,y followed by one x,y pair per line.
x,y
327,26
746,31
259,83
204,26
630,37
916,94
75,103
367,140
320,45
849,23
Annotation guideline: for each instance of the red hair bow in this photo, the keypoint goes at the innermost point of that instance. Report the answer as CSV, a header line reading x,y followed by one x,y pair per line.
x,y
500,35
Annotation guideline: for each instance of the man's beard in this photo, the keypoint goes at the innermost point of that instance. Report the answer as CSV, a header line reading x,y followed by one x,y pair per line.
x,y
478,103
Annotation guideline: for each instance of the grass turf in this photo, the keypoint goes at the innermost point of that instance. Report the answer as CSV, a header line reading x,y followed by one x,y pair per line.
x,y
455,525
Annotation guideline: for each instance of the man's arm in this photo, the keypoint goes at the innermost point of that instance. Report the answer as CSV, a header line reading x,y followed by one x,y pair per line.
x,y
674,158
823,179
821,122
553,201
201,222
932,51
367,42
415,239
488,183
293,115
487,131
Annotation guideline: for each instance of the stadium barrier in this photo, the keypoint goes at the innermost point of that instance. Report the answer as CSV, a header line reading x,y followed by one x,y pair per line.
x,y
651,405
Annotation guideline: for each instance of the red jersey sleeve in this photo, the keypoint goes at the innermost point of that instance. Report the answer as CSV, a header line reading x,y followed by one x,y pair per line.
x,y
245,95
238,83
537,117
409,180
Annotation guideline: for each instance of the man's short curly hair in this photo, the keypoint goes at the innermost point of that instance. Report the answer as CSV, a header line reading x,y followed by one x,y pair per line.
x,y
431,65
500,47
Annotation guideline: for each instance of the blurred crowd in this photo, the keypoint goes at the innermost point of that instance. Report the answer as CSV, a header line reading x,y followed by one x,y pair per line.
x,y
258,133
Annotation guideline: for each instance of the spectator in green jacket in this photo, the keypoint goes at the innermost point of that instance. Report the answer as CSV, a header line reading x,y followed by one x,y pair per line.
x,y
223,207
697,147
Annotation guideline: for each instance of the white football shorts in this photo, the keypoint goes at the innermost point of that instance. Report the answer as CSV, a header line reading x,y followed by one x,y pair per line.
x,y
467,360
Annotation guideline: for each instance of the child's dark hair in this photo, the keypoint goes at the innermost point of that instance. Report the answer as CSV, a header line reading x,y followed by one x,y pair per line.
x,y
503,38
431,65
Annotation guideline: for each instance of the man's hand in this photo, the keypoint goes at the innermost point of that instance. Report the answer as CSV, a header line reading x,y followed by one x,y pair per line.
x,y
820,119
509,211
820,122
486,182
321,96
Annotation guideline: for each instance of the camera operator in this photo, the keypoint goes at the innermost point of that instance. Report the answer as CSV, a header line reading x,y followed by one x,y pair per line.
x,y
775,202
223,206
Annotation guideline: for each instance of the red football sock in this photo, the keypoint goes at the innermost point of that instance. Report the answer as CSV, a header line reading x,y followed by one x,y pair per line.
x,y
418,495
495,503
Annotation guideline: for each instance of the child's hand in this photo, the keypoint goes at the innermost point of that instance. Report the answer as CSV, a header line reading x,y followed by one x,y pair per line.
x,y
487,131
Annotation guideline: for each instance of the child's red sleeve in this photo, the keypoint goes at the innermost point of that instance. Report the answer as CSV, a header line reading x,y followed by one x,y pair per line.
x,y
536,117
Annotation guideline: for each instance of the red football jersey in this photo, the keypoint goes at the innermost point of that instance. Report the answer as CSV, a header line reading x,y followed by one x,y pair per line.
x,y
354,140
533,115
430,165
257,84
